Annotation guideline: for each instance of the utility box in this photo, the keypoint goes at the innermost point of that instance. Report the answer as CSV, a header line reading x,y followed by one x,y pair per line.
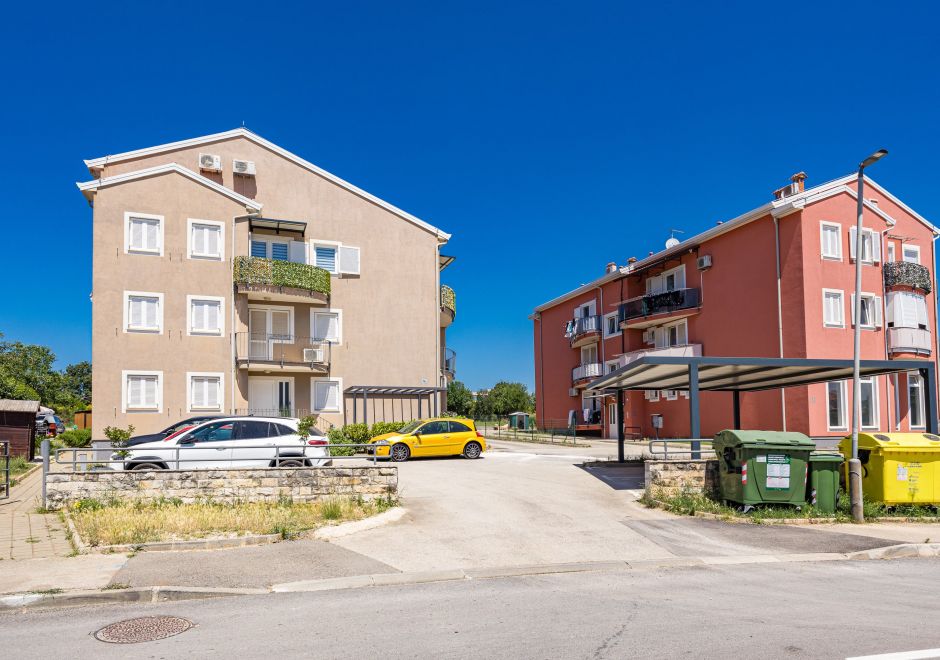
x,y
823,485
898,468
519,420
763,467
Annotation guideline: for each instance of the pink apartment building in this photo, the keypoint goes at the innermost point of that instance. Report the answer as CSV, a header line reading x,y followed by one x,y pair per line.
x,y
777,281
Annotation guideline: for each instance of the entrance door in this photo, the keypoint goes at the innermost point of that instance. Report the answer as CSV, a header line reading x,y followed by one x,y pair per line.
x,y
267,327
611,420
270,397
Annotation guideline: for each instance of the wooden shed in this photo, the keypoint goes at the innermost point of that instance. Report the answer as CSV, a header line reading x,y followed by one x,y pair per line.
x,y
18,425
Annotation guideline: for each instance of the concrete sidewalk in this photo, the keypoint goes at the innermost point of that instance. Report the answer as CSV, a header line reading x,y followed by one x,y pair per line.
x,y
25,534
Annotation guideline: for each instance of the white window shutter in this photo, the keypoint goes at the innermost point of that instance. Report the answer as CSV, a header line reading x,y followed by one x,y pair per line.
x,y
852,320
876,246
135,313
198,392
213,241
683,334
852,242
298,252
153,235
348,260
877,304
212,316
326,326
196,315
212,395
133,391
152,306
136,234
150,391
921,305
198,240
889,307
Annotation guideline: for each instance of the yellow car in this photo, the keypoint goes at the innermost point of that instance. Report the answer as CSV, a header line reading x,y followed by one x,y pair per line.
x,y
432,437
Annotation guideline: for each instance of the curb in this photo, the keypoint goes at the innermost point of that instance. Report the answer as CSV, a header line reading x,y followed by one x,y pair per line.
x,y
900,551
137,595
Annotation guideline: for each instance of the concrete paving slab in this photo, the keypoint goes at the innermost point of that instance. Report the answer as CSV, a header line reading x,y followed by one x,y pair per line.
x,y
82,572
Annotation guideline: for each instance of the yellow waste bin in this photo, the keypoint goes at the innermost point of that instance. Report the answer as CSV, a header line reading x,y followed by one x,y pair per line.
x,y
897,468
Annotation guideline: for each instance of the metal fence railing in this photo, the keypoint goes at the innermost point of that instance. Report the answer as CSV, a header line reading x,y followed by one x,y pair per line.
x,y
5,458
681,449
551,431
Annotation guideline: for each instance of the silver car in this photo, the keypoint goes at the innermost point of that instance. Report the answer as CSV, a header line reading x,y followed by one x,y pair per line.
x,y
230,442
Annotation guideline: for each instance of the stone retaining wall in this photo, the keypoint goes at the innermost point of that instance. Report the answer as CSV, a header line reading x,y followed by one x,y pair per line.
x,y
251,485
673,475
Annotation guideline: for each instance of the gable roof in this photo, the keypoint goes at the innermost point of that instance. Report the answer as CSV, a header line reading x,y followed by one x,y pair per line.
x,y
89,187
778,208
98,163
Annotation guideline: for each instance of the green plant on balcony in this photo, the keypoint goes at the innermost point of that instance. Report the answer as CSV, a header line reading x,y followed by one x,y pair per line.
x,y
448,299
905,273
269,272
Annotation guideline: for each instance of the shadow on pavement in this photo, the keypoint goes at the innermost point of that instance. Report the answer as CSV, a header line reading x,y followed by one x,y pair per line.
x,y
619,476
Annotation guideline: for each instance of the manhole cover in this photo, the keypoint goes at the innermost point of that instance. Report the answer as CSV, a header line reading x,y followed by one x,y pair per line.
x,y
143,629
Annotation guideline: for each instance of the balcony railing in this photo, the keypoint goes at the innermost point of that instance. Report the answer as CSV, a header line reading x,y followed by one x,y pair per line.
x,y
266,349
260,272
659,303
905,273
910,340
582,327
587,372
685,350
448,300
450,361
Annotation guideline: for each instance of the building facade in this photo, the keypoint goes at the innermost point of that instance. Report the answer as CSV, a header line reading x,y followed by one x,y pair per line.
x,y
232,276
778,281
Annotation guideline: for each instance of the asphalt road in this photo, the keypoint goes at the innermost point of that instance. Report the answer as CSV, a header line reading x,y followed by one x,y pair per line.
x,y
803,610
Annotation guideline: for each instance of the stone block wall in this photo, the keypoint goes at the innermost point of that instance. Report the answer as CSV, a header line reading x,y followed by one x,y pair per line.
x,y
260,485
673,475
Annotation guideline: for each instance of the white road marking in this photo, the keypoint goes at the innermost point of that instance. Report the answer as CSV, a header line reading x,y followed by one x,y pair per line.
x,y
529,457
903,655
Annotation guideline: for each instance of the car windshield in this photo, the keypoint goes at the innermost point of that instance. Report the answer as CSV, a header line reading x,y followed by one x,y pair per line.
x,y
410,426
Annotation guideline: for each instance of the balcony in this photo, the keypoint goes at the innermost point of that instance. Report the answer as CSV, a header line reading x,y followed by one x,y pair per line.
x,y
449,364
448,305
584,330
283,281
270,353
585,373
907,274
654,308
909,340
685,350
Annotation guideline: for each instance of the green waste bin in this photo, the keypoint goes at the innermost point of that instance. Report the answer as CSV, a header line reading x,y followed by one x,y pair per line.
x,y
763,467
823,486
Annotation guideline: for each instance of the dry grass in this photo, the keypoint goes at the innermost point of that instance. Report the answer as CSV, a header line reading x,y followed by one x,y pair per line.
x,y
117,522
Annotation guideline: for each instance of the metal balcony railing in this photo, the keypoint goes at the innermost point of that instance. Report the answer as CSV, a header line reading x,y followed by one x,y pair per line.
x,y
258,271
581,326
910,340
659,303
282,350
450,361
587,371
905,273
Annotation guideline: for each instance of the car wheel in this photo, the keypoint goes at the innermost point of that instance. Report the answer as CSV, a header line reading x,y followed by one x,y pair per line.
x,y
472,450
147,466
399,453
290,463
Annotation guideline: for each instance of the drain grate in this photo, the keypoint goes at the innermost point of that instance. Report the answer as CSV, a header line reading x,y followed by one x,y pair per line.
x,y
143,629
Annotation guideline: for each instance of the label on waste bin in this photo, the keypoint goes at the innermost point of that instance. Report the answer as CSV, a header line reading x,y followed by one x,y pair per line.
x,y
778,472
761,458
902,472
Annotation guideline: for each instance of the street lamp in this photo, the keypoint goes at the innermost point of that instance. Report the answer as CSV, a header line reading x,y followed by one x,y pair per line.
x,y
855,466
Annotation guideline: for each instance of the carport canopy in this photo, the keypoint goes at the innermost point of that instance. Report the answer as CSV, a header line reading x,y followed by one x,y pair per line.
x,y
748,374
396,392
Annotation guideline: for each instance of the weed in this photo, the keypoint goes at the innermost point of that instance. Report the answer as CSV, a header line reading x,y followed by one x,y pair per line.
x,y
116,585
49,592
331,510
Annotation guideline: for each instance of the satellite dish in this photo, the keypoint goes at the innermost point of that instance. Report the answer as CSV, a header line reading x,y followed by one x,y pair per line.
x,y
671,242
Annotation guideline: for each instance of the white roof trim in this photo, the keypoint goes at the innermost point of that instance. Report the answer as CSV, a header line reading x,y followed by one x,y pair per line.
x,y
91,186
778,208
96,163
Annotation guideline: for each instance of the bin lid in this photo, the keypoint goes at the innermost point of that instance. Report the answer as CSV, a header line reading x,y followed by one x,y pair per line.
x,y
748,438
825,457
892,442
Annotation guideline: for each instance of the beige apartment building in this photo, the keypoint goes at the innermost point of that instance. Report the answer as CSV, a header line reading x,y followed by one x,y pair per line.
x,y
232,276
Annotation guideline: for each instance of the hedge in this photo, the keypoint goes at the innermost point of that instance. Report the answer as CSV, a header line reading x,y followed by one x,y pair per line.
x,y
270,272
448,299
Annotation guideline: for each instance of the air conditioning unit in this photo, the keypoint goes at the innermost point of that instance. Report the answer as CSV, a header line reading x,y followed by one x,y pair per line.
x,y
210,162
705,262
313,355
572,391
243,167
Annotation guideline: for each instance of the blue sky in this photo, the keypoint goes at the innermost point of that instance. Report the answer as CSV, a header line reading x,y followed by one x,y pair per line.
x,y
550,138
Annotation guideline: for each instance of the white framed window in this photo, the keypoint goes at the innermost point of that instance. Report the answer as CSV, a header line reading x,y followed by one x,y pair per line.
x,y
143,233
870,312
671,395
335,258
891,251
325,257
611,326
869,402
835,406
669,280
327,395
589,354
677,334
833,308
205,315
611,366
205,390
327,325
871,245
830,239
915,401
143,312
911,253
205,239
142,391
268,247
651,395
585,310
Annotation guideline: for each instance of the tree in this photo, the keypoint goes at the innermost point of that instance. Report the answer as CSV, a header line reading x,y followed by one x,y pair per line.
x,y
459,398
78,381
26,372
506,398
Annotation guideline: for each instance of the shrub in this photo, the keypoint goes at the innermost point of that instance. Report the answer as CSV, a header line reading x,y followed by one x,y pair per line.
x,y
76,438
357,433
337,438
381,428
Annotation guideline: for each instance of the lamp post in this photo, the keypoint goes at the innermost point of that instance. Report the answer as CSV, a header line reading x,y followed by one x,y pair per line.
x,y
855,466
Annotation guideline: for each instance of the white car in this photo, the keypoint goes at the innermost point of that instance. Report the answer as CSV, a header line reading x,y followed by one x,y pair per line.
x,y
230,442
